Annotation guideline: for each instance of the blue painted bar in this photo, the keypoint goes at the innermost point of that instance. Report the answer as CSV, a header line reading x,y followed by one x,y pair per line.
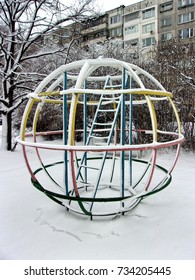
x,y
131,134
123,137
65,134
85,129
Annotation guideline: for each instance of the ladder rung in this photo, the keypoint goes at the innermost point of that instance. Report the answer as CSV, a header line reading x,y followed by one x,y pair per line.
x,y
113,86
107,124
101,129
113,98
98,137
110,110
111,185
85,183
89,167
110,99
100,143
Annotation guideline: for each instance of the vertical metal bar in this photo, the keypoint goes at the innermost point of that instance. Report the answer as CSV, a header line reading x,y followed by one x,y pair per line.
x,y
85,129
65,134
123,139
131,134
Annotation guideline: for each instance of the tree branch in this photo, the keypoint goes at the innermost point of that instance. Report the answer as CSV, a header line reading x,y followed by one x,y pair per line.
x,y
190,80
17,104
22,95
41,54
4,102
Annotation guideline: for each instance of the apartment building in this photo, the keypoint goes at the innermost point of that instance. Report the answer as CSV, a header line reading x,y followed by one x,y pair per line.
x,y
143,24
116,23
91,31
150,21
177,19
94,30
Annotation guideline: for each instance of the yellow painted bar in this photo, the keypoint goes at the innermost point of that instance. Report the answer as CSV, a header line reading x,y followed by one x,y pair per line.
x,y
48,93
119,91
35,120
54,101
72,124
176,115
25,118
153,118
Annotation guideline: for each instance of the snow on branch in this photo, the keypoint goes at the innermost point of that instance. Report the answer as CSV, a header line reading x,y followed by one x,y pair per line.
x,y
189,80
23,25
16,105
41,54
4,102
23,96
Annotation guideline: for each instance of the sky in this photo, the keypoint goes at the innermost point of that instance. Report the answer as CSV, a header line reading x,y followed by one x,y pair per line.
x,y
111,4
106,5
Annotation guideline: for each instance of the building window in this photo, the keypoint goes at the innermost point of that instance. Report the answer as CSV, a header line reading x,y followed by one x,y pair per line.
x,y
166,6
131,16
102,33
186,17
115,32
131,29
115,19
133,42
148,13
148,28
166,21
186,33
148,42
184,3
166,36
95,22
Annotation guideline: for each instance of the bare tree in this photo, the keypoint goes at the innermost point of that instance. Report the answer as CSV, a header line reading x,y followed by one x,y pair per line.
x,y
174,67
23,25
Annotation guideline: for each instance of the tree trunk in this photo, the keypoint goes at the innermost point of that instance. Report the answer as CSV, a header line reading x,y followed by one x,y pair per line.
x,y
4,133
9,131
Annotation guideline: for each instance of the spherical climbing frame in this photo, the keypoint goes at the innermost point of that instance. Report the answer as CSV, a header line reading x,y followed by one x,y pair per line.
x,y
103,174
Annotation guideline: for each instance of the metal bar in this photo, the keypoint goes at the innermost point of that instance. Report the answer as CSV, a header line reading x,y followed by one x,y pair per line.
x,y
131,134
65,134
123,139
85,130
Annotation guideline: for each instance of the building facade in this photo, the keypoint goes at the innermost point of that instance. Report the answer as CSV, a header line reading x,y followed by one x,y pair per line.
x,y
177,19
142,24
116,23
94,30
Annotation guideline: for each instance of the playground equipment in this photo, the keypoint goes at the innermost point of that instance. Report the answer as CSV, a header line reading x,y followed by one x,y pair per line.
x,y
118,110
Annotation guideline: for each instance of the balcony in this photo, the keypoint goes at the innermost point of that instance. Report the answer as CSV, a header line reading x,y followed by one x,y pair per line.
x,y
185,4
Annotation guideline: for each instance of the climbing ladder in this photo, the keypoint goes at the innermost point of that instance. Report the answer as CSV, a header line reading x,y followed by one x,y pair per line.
x,y
100,134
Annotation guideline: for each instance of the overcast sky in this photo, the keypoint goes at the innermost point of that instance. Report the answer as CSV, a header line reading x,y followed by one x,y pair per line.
x,y
105,5
111,4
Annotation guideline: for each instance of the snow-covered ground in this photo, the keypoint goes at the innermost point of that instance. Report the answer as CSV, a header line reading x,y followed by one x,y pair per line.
x,y
34,227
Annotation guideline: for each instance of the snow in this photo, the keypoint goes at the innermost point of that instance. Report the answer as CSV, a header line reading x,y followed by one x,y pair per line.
x,y
34,227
